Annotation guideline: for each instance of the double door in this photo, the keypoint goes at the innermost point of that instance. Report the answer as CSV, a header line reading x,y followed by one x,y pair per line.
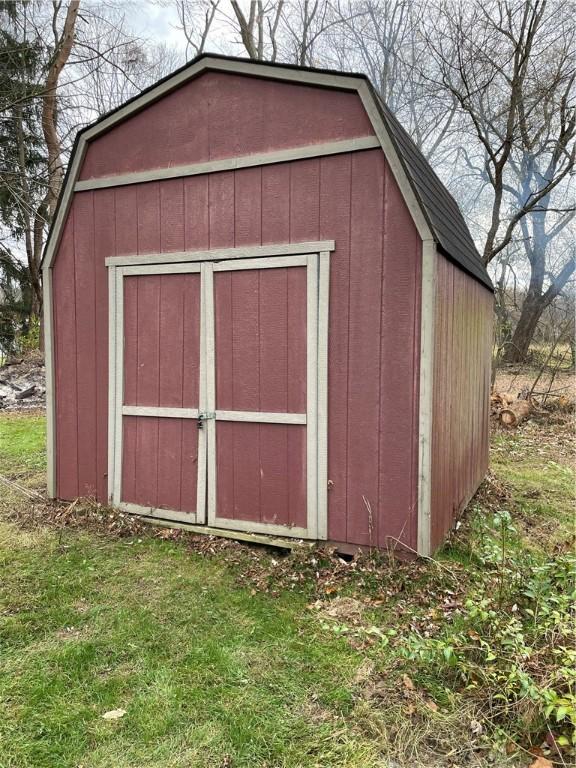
x,y
218,393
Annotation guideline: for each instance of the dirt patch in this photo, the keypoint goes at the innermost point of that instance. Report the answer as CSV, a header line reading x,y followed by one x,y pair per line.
x,y
70,633
343,609
23,384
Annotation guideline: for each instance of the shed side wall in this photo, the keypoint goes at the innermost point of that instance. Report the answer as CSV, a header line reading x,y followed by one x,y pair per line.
x,y
374,316
461,397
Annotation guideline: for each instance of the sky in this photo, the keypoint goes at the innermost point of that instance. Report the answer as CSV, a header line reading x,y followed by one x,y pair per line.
x,y
156,22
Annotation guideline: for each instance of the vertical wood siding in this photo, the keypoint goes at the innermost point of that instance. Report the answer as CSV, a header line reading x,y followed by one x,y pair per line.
x,y
161,368
260,340
221,115
461,398
374,300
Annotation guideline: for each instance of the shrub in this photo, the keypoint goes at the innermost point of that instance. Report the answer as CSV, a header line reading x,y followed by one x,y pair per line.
x,y
511,645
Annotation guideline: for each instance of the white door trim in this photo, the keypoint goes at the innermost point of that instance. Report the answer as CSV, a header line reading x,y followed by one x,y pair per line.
x,y
317,288
117,410
261,417
172,259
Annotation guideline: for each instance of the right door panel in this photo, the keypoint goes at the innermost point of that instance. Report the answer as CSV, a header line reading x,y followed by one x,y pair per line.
x,y
262,393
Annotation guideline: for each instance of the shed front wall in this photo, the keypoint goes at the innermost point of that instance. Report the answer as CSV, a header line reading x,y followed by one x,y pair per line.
x,y
461,394
375,273
374,323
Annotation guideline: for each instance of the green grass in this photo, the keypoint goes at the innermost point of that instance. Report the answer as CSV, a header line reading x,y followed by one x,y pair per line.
x,y
22,440
212,668
204,668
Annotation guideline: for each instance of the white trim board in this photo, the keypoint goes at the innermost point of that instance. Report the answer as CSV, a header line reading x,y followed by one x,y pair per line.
x,y
176,261
288,74
261,417
254,538
231,163
167,413
427,324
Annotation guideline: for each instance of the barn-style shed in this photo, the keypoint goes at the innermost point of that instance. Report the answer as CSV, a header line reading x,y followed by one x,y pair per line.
x,y
265,314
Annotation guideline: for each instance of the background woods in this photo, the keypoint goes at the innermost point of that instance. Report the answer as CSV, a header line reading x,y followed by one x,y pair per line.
x,y
486,89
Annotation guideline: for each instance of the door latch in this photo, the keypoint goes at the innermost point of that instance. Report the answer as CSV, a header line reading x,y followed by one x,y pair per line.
x,y
204,416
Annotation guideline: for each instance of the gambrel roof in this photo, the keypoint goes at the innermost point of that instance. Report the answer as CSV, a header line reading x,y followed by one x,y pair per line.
x,y
435,212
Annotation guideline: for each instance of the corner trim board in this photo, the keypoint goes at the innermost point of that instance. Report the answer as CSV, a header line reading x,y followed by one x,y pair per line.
x,y
230,163
425,415
312,361
50,391
322,408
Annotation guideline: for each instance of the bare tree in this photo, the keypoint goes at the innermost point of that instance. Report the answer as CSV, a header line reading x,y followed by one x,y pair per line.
x,y
63,42
267,30
509,66
195,21
305,29
489,57
387,41
65,64
259,28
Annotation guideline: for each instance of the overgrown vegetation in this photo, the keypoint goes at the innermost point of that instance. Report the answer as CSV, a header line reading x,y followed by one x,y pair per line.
x,y
220,654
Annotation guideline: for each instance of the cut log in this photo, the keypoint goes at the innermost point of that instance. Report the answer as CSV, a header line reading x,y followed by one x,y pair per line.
x,y
515,413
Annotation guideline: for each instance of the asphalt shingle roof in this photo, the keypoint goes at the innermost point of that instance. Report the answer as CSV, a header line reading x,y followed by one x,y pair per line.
x,y
441,210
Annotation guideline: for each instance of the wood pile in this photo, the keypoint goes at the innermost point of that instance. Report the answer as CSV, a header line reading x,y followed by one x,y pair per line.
x,y
510,410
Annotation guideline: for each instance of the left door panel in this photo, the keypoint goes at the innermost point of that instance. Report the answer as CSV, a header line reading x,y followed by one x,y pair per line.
x,y
159,449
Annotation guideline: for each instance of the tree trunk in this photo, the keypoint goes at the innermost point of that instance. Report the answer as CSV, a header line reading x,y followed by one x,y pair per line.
x,y
49,103
532,309
517,348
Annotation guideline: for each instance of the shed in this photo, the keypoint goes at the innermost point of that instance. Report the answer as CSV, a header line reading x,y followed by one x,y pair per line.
x,y
266,314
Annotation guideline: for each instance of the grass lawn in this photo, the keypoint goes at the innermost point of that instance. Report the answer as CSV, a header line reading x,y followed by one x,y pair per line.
x,y
226,655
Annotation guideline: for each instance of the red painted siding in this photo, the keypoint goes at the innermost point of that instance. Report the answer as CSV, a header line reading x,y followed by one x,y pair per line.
x,y
374,288
221,115
260,341
461,398
161,368
374,282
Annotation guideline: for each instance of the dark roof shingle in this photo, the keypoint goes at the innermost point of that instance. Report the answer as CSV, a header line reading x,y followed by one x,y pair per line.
x,y
441,210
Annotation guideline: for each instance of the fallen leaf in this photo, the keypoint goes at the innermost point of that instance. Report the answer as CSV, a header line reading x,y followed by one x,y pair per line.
x,y
431,705
114,714
408,684
542,762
